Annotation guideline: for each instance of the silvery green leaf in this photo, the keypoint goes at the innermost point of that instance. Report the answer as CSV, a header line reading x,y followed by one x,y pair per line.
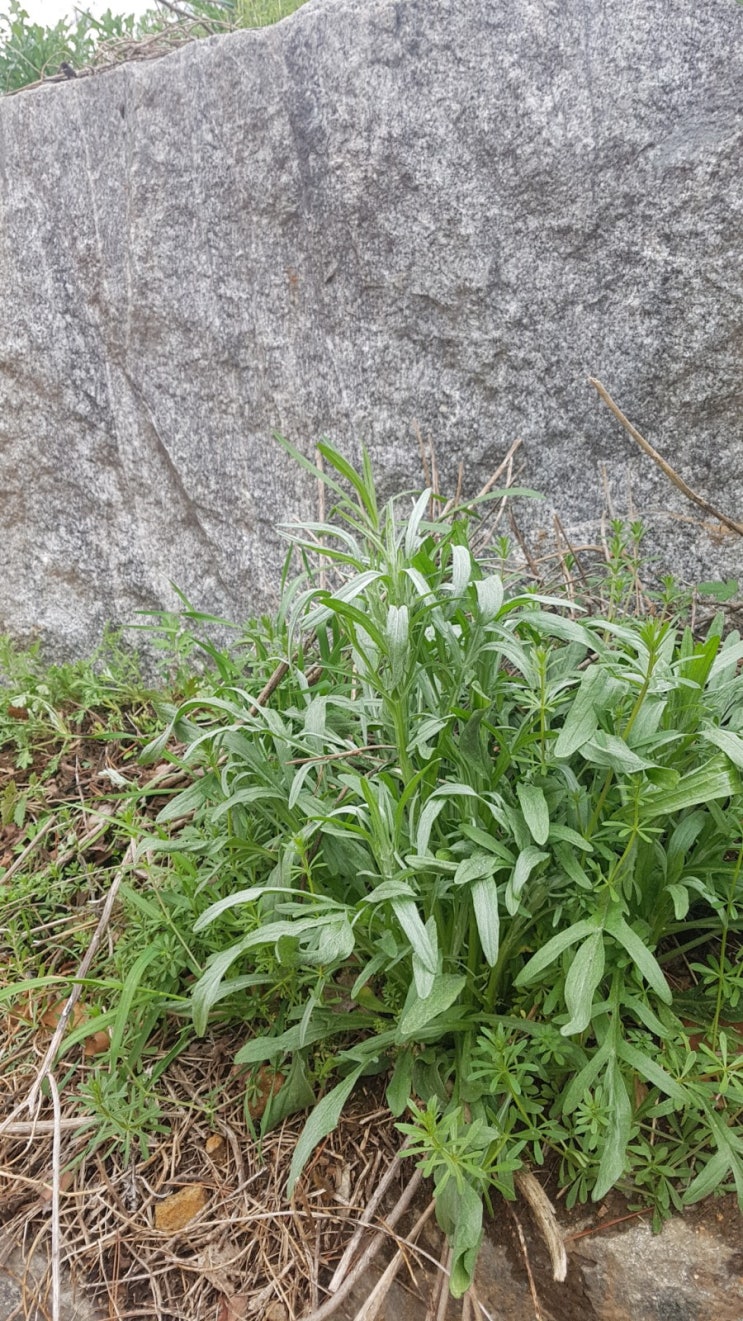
x,y
711,1176
347,592
556,626
650,1071
397,639
567,836
572,867
489,596
581,983
582,720
421,943
611,751
422,587
205,992
425,824
461,569
420,1010
298,784
414,522
528,859
553,949
231,901
485,903
423,978
614,1156
400,1084
641,956
323,1120
535,810
728,742
334,942
474,867
700,786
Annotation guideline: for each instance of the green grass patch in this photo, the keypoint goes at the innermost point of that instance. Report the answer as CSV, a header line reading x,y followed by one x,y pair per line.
x,y
32,51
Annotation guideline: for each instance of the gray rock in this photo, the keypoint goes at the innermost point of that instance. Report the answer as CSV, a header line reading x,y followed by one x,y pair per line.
x,y
25,1288
375,213
685,1273
691,1271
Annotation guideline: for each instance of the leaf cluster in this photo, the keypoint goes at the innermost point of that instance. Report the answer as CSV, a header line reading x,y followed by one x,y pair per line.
x,y
479,831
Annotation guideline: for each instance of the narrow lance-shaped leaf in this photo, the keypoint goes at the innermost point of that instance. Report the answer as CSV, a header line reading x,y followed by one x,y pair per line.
x,y
323,1120
582,721
485,904
425,824
466,1243
584,976
610,751
472,868
410,920
528,859
461,569
614,1156
397,640
204,993
640,954
536,813
728,742
710,1177
417,515
418,1012
585,1079
489,596
553,949
700,786
650,1072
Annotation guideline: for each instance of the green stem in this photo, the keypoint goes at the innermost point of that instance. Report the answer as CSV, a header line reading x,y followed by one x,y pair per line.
x,y
723,946
627,729
400,725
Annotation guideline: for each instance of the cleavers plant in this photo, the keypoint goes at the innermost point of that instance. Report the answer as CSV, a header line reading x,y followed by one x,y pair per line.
x,y
482,835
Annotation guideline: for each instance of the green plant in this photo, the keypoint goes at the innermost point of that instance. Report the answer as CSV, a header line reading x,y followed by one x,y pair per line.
x,y
480,838
31,51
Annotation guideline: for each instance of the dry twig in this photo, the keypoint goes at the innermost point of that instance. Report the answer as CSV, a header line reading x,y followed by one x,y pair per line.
x,y
29,849
544,1214
529,1274
375,1299
47,1063
331,1305
658,459
56,1176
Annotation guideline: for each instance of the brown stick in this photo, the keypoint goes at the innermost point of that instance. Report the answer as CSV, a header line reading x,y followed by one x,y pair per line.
x,y
16,866
33,1096
387,1179
333,1303
661,462
524,548
369,1310
543,1211
56,1181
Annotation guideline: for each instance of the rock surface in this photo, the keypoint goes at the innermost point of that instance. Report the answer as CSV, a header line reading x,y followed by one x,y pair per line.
x,y
691,1271
685,1273
375,213
25,1288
